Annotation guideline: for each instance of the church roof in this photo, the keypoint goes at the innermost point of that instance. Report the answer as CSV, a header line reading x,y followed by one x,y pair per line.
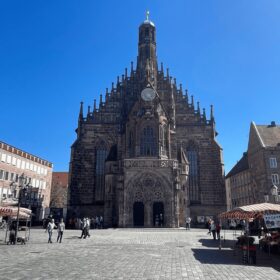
x,y
240,166
269,134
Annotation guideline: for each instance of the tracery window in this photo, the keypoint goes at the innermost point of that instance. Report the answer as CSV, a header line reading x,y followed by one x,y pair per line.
x,y
192,156
101,154
148,146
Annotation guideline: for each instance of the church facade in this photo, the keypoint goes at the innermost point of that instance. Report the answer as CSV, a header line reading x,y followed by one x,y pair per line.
x,y
146,155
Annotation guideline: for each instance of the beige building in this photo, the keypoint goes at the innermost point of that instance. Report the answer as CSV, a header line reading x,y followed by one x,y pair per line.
x,y
38,172
251,179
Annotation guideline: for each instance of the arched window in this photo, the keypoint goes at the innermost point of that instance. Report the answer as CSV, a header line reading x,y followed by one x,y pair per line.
x,y
148,146
101,154
193,179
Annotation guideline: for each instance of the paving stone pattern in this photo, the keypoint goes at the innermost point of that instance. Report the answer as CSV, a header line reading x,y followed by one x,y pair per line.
x,y
130,254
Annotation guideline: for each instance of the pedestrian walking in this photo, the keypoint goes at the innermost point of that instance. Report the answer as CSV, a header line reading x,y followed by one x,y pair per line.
x,y
213,230
50,227
87,227
161,220
209,226
101,221
97,222
83,228
188,223
60,230
218,230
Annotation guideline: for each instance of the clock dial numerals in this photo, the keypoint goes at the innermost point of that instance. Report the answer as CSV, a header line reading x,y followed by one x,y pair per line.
x,y
148,94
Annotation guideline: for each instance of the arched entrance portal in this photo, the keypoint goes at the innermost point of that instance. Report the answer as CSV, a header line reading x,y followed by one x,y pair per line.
x,y
138,214
158,214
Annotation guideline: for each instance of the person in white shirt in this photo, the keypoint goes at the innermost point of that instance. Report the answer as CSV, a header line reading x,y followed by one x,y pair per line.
x,y
50,227
188,223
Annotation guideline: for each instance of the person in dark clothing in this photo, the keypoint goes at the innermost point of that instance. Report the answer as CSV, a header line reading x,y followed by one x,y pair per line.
x,y
60,230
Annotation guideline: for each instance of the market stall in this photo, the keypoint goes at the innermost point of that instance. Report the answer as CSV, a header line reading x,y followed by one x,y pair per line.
x,y
269,213
18,220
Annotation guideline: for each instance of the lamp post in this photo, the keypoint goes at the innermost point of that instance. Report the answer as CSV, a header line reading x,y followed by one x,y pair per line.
x,y
23,186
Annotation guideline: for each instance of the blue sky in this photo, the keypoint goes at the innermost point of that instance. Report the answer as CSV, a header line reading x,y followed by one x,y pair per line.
x,y
53,54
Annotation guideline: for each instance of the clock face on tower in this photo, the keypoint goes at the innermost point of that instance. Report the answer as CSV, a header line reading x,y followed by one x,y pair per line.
x,y
148,94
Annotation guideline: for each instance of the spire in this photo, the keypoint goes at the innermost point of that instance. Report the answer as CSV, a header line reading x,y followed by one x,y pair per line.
x,y
88,113
181,90
94,105
212,119
192,101
147,49
125,72
81,115
204,115
107,95
187,96
198,108
100,101
118,80
161,67
81,119
131,68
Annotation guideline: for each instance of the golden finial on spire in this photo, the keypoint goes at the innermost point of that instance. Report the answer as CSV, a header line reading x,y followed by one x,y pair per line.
x,y
147,14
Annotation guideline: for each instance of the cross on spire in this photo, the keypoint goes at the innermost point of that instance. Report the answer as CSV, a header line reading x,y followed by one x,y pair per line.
x,y
147,14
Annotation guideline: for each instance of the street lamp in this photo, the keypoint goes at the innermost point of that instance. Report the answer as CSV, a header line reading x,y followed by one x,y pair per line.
x,y
23,187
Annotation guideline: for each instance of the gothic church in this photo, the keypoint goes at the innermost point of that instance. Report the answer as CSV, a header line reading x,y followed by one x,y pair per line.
x,y
146,151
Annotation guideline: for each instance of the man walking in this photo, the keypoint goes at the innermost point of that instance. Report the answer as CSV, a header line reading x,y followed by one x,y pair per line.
x,y
60,230
50,227
188,223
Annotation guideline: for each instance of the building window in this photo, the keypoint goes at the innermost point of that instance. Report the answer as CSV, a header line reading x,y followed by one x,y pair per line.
x,y
273,162
3,157
14,161
101,154
1,174
193,175
148,145
6,175
275,179
9,159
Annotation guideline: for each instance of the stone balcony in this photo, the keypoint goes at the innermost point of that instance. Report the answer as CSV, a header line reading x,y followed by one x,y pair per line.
x,y
150,163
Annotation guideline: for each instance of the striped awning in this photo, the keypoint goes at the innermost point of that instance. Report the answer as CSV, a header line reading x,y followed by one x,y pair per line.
x,y
12,212
253,211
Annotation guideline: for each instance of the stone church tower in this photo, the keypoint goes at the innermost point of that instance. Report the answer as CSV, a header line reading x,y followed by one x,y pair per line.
x,y
146,155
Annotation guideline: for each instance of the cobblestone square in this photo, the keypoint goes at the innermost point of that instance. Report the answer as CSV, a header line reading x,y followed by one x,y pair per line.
x,y
130,254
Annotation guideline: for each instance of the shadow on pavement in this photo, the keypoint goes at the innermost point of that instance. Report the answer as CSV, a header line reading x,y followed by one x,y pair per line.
x,y
211,243
73,237
228,256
